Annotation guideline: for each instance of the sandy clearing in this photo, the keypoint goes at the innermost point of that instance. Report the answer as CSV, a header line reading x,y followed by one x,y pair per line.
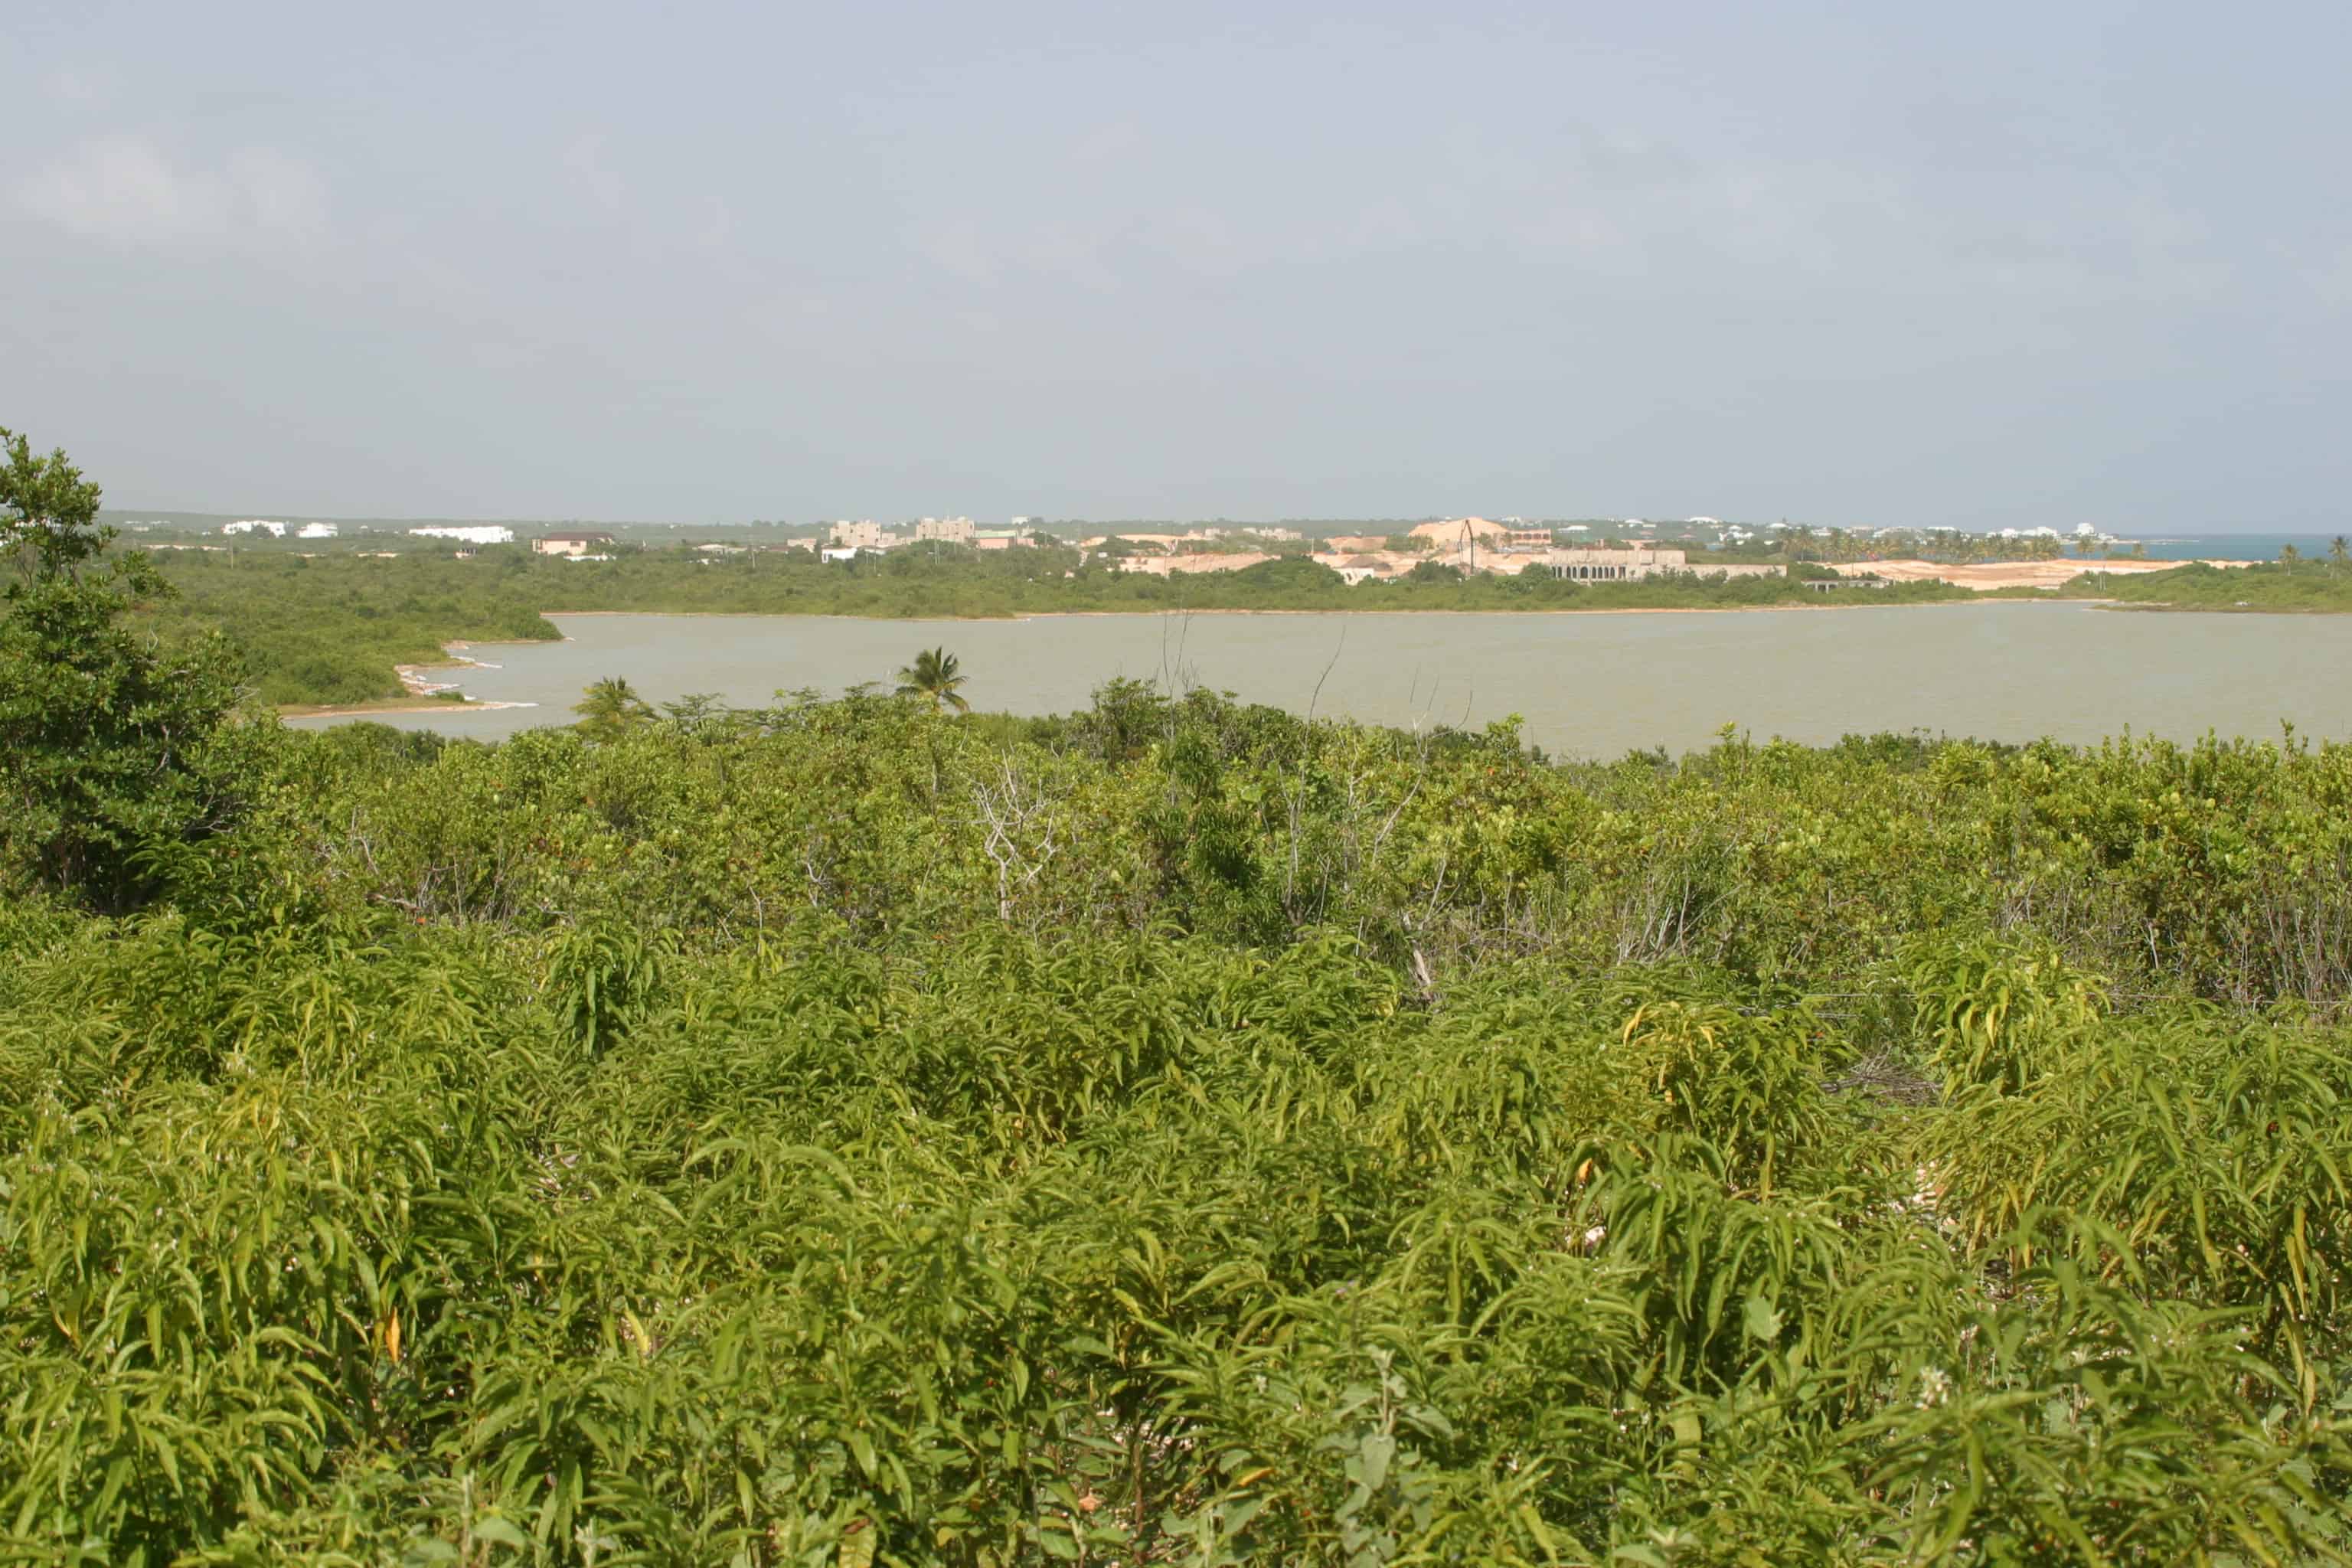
x,y
1988,575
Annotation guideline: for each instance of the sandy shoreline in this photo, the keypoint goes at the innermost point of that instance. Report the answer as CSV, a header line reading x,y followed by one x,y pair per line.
x,y
414,681
365,710
1853,604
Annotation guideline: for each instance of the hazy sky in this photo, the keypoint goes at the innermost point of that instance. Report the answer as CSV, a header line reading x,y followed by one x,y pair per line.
x,y
1987,264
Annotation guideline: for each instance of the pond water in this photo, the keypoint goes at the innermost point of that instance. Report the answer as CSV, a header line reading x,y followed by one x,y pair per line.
x,y
1587,685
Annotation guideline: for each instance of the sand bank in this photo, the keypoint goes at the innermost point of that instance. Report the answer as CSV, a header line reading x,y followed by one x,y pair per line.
x,y
1987,576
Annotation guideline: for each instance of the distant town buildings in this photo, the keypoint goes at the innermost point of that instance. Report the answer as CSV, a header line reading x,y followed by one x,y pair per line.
x,y
255,525
470,533
317,531
1512,546
1465,544
574,545
845,539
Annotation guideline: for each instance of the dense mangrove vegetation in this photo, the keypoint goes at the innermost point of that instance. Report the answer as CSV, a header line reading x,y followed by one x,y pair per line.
x,y
2294,585
856,1133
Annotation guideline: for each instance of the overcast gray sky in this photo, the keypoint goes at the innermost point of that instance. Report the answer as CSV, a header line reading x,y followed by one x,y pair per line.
x,y
1986,265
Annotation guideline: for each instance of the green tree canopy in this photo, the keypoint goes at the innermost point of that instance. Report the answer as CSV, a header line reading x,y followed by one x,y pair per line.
x,y
935,674
106,736
612,706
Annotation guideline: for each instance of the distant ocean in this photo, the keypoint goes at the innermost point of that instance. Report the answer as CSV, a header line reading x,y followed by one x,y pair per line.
x,y
2229,546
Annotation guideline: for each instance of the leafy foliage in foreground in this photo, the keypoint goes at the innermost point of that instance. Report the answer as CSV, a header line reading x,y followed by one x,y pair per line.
x,y
850,1135
110,746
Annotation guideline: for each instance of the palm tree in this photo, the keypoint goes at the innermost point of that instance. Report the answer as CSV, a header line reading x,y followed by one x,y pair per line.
x,y
2339,550
612,706
934,674
2289,555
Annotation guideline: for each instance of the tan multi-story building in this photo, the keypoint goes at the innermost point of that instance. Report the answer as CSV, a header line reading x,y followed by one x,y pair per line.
x,y
946,530
573,544
864,535
1169,565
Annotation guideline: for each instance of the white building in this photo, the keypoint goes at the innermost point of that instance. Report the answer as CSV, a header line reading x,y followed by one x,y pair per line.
x,y
317,531
256,525
483,533
1355,569
1591,563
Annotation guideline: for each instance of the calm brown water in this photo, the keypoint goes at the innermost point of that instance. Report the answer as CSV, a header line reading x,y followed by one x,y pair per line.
x,y
1588,685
